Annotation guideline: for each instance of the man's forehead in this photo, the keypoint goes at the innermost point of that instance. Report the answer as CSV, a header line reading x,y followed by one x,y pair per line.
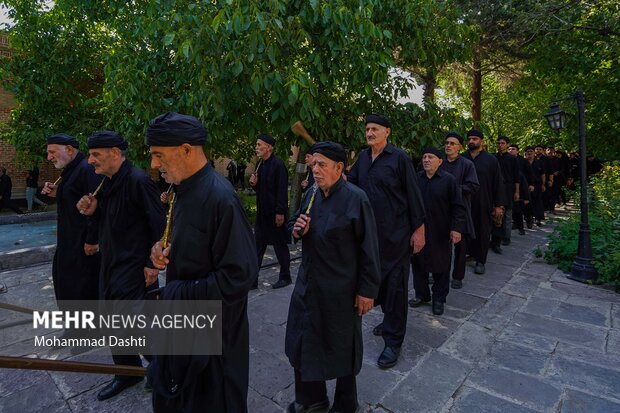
x,y
161,149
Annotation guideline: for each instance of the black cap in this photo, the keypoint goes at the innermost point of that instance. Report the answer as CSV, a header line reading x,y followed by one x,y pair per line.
x,y
475,132
379,120
175,129
107,139
434,151
62,139
267,139
331,150
453,134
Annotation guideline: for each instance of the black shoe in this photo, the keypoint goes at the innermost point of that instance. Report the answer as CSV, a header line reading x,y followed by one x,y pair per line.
x,y
506,241
529,225
388,357
457,284
479,268
437,308
417,302
496,249
521,231
315,407
116,386
378,330
538,224
281,284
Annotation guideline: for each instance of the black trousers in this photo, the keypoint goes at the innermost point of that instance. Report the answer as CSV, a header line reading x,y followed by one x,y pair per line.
x,y
517,214
310,392
282,254
393,300
440,288
479,247
127,360
460,258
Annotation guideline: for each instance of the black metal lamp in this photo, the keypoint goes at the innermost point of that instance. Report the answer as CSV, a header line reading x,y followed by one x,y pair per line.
x,y
582,269
556,117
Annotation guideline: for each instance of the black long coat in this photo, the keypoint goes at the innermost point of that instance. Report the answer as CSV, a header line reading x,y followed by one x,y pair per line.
x,y
390,183
213,257
340,259
271,199
464,173
76,275
491,194
510,173
132,220
445,212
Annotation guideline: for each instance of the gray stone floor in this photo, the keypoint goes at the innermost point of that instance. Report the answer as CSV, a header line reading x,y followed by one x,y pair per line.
x,y
521,338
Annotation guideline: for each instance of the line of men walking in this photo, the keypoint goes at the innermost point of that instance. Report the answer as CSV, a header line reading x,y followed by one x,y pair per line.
x,y
360,229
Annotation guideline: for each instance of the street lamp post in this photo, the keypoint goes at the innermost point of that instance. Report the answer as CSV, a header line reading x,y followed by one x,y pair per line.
x,y
582,269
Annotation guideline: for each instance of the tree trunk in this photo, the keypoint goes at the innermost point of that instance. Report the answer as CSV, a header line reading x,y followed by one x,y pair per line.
x,y
476,90
430,84
298,176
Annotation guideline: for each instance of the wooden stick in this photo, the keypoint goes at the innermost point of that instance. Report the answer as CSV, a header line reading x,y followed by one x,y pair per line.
x,y
99,187
26,363
299,130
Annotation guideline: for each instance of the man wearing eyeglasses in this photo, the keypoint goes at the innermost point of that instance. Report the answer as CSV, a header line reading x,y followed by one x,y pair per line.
x,y
466,178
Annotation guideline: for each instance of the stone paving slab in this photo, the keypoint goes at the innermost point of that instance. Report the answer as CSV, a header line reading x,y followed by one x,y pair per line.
x,y
428,387
518,358
578,402
528,390
472,400
470,343
561,330
585,376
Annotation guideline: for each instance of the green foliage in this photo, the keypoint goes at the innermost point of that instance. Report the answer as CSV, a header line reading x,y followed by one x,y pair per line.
x,y
249,205
56,74
242,67
604,221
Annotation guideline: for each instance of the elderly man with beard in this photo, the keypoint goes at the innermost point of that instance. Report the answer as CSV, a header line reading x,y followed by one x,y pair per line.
x,y
338,280
75,269
444,224
464,173
211,257
132,220
386,174
270,181
488,202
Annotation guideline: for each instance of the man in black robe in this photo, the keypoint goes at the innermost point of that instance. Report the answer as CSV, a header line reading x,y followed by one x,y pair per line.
x,y
211,257
6,188
553,183
75,269
386,174
464,173
489,199
270,181
535,210
338,280
132,220
527,186
512,193
443,225
539,150
308,181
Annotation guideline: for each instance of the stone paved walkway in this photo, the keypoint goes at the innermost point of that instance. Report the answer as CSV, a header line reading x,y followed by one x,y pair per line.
x,y
521,338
